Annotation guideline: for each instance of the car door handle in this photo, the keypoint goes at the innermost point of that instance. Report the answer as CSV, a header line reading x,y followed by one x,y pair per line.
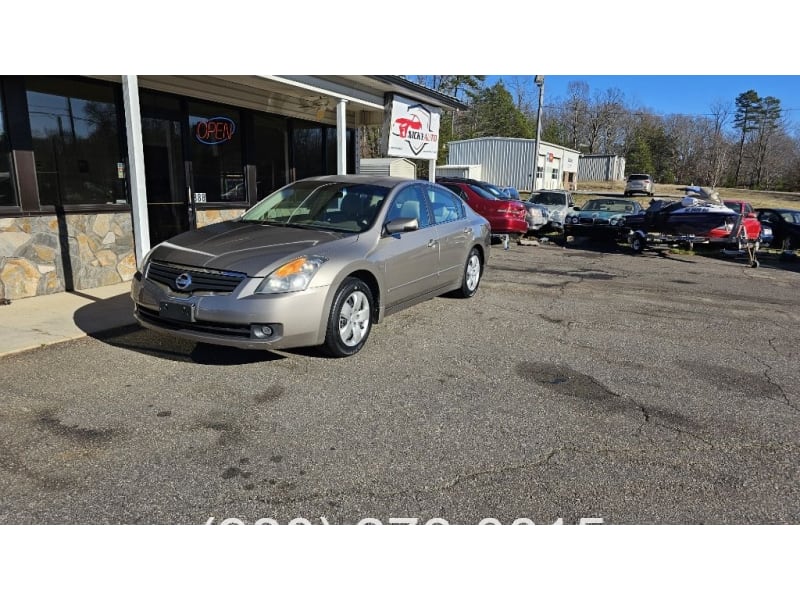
x,y
432,244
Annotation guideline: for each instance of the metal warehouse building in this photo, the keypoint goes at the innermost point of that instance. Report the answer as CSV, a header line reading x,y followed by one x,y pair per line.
x,y
601,167
509,162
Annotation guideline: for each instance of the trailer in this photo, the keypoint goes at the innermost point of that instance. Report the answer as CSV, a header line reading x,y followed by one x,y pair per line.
x,y
639,240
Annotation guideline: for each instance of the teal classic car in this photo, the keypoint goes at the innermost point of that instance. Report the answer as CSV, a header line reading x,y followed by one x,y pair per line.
x,y
600,219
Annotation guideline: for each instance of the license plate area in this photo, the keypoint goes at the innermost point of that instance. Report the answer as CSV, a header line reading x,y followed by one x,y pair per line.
x,y
184,313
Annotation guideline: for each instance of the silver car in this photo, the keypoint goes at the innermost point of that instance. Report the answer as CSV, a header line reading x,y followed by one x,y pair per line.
x,y
639,183
316,263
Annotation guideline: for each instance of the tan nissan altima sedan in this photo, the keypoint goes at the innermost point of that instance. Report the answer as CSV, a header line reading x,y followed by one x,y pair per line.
x,y
315,263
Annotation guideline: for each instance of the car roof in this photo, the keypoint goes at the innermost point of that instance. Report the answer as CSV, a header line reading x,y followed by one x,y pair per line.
x,y
613,200
381,180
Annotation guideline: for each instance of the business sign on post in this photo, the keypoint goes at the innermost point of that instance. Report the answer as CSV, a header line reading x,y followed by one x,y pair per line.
x,y
412,129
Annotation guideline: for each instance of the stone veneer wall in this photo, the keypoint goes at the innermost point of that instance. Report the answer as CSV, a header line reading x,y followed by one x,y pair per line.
x,y
209,217
32,259
100,251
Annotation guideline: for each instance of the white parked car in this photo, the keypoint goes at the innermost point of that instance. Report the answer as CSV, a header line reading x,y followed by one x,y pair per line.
x,y
558,203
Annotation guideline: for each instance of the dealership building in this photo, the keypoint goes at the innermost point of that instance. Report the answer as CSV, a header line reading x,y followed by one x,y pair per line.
x,y
95,170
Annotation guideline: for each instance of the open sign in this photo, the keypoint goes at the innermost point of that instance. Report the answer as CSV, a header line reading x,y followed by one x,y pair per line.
x,y
216,130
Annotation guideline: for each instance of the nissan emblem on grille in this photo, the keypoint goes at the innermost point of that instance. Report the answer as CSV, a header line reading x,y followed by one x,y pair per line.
x,y
183,281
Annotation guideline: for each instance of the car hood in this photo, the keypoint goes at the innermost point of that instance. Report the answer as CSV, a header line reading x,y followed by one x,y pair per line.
x,y
251,248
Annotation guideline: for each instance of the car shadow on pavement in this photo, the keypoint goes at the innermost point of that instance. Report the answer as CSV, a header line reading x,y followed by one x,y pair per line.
x,y
111,321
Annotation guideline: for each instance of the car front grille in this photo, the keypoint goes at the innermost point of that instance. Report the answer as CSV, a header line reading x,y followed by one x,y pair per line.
x,y
590,221
202,280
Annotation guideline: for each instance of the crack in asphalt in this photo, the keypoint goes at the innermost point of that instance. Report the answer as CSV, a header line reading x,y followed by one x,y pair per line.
x,y
415,493
648,416
498,471
767,369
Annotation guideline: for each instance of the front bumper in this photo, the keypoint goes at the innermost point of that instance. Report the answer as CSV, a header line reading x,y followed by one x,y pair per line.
x,y
606,232
296,318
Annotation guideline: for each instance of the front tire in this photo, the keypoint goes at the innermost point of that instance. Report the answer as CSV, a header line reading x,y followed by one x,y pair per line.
x,y
350,320
473,269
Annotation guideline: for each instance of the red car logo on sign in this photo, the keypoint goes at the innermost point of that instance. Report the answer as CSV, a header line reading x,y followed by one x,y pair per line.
x,y
404,124
415,128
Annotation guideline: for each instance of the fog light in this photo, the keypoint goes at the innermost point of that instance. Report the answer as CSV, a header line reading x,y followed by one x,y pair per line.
x,y
262,331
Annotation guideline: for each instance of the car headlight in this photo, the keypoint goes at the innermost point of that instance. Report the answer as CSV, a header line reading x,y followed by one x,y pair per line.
x,y
575,220
294,276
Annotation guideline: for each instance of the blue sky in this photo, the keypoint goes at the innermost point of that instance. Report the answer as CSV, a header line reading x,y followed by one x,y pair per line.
x,y
678,57
678,94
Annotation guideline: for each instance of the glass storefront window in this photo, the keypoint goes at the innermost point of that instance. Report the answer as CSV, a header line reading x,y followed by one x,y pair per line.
x,y
76,141
330,150
314,149
6,182
216,143
270,158
307,149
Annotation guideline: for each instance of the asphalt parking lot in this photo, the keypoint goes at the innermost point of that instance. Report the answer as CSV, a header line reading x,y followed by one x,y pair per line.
x,y
581,382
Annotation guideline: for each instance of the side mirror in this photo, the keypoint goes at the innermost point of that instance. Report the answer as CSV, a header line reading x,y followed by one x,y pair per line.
x,y
401,225
750,215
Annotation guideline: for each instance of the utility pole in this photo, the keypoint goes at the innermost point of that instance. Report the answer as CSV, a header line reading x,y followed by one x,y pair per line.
x,y
539,81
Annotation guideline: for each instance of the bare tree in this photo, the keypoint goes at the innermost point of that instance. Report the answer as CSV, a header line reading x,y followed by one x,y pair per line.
x,y
718,150
612,112
576,113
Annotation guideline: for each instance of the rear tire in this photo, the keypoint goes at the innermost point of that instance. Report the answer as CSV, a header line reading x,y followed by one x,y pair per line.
x,y
350,320
637,243
473,269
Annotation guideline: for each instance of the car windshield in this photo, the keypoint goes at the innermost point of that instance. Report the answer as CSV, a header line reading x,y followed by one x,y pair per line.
x,y
738,206
610,205
336,206
549,198
638,177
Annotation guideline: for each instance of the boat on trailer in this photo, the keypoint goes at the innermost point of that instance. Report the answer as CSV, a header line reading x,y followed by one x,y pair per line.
x,y
686,222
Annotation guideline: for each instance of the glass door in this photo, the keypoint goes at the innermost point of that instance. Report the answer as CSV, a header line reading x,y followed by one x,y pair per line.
x,y
167,195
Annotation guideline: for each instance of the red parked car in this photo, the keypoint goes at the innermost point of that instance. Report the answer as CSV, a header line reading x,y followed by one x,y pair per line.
x,y
751,224
505,216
